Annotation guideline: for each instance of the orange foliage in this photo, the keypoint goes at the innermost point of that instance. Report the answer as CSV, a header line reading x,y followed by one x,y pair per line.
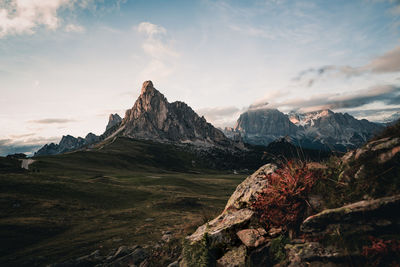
x,y
283,201
382,251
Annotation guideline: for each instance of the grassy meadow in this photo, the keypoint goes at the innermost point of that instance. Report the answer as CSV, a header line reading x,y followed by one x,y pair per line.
x,y
69,205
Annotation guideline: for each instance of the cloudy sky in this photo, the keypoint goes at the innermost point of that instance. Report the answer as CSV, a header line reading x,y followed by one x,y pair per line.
x,y
65,65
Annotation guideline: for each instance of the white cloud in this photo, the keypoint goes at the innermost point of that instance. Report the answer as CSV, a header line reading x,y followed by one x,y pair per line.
x,y
221,116
74,28
159,48
25,16
150,29
253,31
389,62
387,94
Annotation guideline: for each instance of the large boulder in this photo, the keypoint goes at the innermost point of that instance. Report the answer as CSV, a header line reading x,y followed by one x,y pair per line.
x,y
367,214
248,190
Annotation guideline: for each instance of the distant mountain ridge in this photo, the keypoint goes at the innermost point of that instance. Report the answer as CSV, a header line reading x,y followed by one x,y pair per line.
x,y
322,129
151,118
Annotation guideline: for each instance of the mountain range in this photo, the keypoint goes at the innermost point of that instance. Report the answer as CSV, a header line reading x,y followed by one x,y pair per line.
x,y
153,118
322,129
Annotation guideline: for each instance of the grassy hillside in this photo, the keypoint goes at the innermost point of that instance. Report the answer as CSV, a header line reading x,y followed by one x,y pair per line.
x,y
123,194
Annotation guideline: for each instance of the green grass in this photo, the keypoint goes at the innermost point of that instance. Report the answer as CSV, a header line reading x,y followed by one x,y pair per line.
x,y
70,205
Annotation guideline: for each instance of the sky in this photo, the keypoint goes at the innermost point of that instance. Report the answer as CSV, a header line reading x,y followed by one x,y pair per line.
x,y
65,65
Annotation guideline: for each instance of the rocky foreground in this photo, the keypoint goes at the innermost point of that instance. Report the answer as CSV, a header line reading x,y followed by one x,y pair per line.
x,y
344,213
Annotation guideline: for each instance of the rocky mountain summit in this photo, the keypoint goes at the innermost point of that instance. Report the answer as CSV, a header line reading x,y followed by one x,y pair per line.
x,y
342,212
153,117
323,129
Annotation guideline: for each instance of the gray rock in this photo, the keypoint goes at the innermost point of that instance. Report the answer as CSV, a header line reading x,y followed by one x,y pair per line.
x,y
222,229
252,237
366,213
248,190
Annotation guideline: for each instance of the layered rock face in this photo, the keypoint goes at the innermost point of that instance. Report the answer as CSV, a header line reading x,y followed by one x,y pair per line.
x,y
323,129
153,117
263,126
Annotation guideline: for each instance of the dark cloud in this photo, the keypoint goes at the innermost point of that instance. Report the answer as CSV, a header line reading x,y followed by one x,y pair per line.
x,y
52,120
387,94
12,149
28,146
377,115
387,63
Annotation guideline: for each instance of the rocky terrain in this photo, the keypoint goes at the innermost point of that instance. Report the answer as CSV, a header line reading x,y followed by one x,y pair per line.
x,y
323,129
343,212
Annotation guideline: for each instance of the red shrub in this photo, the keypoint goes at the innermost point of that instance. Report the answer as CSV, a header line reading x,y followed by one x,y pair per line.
x,y
382,251
282,202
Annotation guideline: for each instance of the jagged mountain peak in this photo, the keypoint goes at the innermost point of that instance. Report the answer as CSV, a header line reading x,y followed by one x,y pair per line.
x,y
113,120
153,117
147,87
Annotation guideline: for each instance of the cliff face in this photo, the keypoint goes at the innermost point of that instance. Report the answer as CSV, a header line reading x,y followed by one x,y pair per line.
x,y
153,117
343,212
323,129
264,126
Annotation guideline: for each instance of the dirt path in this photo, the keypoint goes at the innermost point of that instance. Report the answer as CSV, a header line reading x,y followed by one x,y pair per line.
x,y
26,162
